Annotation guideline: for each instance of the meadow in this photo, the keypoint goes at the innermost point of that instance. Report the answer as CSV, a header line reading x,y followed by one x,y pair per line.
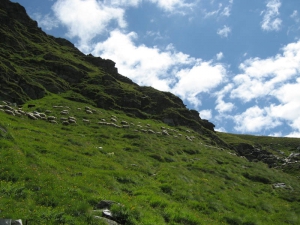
x,y
56,174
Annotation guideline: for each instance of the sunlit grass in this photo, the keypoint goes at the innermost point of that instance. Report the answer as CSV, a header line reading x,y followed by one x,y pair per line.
x,y
55,174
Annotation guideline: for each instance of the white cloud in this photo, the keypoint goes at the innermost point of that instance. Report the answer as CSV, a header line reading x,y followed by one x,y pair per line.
x,y
220,56
221,105
202,77
271,21
255,119
220,129
276,82
122,3
224,32
171,5
205,114
86,19
261,77
47,22
294,14
226,11
166,69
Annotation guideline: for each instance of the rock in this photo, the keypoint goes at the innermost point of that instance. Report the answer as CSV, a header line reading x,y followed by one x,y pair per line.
x,y
281,185
107,221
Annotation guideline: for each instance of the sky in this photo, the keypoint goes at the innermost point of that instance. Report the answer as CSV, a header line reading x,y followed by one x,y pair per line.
x,y
237,62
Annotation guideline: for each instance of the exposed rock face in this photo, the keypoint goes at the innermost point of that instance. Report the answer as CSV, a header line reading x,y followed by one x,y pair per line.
x,y
256,154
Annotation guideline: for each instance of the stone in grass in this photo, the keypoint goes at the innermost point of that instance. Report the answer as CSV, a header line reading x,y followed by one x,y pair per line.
x,y
107,221
281,185
10,222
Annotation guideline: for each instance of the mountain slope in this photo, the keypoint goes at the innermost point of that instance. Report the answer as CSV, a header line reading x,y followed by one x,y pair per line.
x,y
34,64
73,132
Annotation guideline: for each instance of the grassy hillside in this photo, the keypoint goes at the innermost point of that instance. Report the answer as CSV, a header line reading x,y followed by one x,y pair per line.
x,y
56,174
132,145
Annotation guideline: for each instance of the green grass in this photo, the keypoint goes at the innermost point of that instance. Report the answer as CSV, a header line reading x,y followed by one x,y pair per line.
x,y
55,174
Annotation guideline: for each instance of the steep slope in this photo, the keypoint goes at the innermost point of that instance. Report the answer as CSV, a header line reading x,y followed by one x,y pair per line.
x,y
56,171
53,173
34,64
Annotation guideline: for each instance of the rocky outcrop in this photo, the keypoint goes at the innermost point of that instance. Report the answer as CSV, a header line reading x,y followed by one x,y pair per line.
x,y
255,154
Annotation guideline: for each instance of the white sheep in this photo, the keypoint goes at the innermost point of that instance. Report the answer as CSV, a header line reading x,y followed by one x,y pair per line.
x,y
72,121
88,111
10,112
85,121
113,120
164,132
124,122
51,118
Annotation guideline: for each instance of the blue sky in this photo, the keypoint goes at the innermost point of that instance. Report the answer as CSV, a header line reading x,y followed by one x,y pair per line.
x,y
235,61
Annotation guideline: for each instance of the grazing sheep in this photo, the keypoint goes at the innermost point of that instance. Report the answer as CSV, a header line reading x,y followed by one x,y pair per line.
x,y
43,115
57,106
88,111
72,121
10,112
65,123
78,108
48,111
111,154
18,114
52,121
87,108
50,118
124,122
113,120
64,112
102,123
63,118
139,126
148,125
31,116
151,132
37,115
188,138
71,118
8,107
103,120
85,121
164,132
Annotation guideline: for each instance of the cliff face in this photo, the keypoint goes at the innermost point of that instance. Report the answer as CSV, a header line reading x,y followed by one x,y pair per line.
x,y
33,64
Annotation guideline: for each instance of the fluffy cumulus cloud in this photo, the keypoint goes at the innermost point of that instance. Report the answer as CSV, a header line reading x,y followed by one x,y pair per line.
x,y
206,114
255,119
271,21
87,18
166,69
48,22
224,32
202,77
171,5
275,78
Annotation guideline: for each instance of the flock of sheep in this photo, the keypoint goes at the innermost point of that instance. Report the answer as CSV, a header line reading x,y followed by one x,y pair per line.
x,y
65,119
